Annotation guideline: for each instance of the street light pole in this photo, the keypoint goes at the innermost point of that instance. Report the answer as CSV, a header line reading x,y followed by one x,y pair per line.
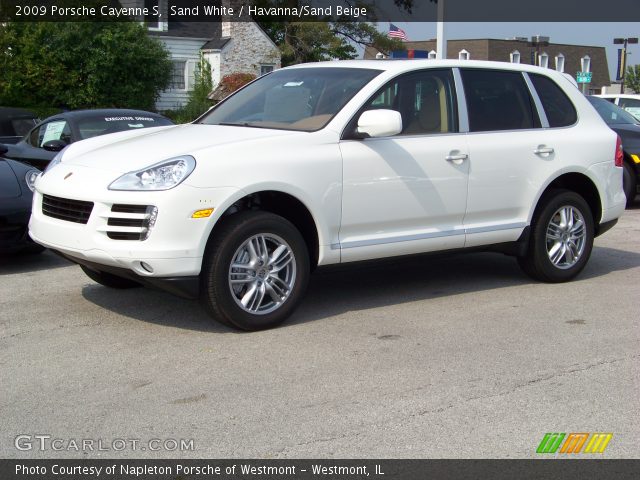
x,y
441,43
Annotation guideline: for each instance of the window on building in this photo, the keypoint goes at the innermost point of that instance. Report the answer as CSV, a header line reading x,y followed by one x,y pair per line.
x,y
498,100
264,69
514,57
177,75
432,55
463,55
557,106
560,62
543,60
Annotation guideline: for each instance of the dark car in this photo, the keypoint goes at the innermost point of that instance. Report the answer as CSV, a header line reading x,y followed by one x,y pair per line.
x,y
15,123
627,126
16,192
42,143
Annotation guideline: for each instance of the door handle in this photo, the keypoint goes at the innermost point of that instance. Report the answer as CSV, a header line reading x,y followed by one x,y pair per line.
x,y
457,159
542,150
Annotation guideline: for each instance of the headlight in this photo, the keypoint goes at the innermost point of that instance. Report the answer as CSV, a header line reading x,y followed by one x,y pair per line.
x,y
30,177
161,176
55,161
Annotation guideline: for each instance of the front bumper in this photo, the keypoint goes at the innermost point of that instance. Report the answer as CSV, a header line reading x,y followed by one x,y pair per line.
x,y
14,217
186,287
174,247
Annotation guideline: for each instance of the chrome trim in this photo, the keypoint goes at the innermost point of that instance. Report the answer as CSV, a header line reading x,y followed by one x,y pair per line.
x,y
426,236
463,113
542,115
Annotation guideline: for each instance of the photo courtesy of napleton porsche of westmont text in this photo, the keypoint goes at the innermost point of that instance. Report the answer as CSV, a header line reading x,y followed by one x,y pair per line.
x,y
319,239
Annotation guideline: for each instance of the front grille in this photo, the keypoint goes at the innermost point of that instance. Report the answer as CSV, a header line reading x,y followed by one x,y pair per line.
x,y
131,222
76,211
123,208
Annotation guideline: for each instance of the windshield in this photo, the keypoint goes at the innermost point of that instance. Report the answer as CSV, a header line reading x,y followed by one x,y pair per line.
x,y
304,99
612,114
103,124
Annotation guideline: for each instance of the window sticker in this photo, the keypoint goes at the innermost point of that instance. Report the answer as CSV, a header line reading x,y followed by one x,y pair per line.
x,y
53,131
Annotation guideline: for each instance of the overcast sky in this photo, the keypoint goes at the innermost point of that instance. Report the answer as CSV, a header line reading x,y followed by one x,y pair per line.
x,y
596,34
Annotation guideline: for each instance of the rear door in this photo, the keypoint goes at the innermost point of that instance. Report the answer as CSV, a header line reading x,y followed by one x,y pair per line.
x,y
506,142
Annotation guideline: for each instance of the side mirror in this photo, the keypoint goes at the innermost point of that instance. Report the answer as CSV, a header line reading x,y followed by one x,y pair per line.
x,y
379,123
54,145
3,149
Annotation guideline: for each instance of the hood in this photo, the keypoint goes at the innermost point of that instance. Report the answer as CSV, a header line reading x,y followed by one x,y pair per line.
x,y
9,186
129,151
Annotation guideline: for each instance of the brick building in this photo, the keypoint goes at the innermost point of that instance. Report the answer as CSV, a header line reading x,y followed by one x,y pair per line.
x,y
558,56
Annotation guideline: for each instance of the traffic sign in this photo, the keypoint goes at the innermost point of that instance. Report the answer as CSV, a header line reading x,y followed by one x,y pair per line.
x,y
583,77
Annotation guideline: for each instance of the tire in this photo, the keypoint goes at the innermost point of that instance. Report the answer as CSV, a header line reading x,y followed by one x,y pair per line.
x,y
241,240
108,279
577,241
34,249
629,183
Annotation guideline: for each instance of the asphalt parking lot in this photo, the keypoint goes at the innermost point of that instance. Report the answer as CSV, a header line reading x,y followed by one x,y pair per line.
x,y
445,357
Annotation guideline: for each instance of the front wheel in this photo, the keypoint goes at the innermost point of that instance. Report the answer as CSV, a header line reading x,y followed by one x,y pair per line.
x,y
561,238
255,271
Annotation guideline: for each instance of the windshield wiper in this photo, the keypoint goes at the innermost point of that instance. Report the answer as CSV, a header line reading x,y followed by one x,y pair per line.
x,y
240,124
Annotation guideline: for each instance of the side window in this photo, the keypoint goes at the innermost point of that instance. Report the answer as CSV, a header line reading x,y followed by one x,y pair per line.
x,y
498,100
425,100
559,109
54,130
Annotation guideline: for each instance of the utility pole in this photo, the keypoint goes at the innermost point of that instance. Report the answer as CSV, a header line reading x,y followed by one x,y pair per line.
x,y
622,68
441,42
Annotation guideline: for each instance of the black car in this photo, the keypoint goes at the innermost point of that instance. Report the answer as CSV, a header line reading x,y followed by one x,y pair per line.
x,y
42,143
627,126
15,123
16,193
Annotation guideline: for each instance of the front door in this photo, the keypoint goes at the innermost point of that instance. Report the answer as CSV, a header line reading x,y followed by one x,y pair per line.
x,y
407,193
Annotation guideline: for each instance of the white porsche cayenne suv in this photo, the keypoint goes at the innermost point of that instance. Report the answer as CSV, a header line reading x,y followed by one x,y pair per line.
x,y
334,162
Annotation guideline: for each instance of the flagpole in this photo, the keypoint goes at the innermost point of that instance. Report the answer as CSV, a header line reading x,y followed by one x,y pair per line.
x,y
441,42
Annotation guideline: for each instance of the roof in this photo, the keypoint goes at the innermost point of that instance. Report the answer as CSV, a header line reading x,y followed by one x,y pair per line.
x,y
408,65
216,43
205,30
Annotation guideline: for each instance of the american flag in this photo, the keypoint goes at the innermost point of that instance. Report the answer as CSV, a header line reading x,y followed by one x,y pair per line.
x,y
395,32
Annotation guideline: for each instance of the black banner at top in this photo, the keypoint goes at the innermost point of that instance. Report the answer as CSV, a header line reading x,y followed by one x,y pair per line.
x,y
321,10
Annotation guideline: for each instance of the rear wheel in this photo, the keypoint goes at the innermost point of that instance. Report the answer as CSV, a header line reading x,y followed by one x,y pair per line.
x,y
561,238
629,183
108,279
255,271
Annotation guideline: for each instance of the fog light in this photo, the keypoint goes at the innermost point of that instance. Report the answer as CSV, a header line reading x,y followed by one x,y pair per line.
x,y
149,221
147,267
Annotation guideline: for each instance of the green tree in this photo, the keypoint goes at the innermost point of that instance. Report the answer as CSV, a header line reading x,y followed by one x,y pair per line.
x,y
301,42
199,101
81,65
632,78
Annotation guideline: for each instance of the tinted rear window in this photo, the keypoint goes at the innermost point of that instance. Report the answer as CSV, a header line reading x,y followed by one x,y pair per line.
x,y
559,109
498,100
104,124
